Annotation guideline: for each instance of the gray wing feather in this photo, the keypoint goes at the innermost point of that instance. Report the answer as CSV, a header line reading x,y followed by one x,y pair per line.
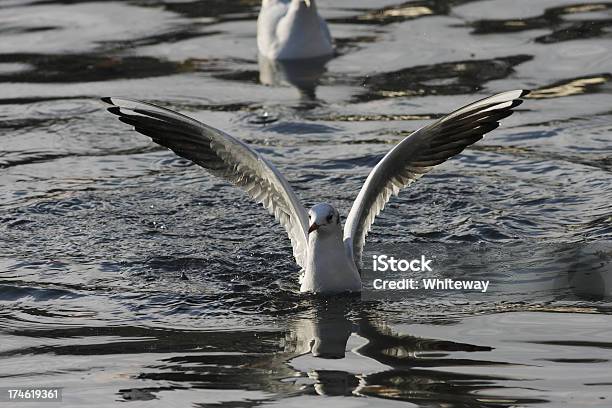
x,y
225,157
419,153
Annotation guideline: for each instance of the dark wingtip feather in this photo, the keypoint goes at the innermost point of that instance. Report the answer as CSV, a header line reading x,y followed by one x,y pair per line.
x,y
115,110
488,127
128,121
515,103
525,93
107,99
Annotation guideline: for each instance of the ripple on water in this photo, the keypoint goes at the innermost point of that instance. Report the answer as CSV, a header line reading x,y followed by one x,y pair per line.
x,y
185,291
447,78
60,206
12,293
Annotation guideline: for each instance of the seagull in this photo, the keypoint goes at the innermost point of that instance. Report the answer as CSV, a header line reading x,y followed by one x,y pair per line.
x,y
327,254
292,29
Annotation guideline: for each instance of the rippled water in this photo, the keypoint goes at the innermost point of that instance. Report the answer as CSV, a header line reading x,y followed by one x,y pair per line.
x,y
127,273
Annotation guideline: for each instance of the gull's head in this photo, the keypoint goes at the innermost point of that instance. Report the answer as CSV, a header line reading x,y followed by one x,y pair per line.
x,y
323,218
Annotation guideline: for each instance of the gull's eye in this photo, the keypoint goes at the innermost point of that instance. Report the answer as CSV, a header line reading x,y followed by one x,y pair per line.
x,y
329,217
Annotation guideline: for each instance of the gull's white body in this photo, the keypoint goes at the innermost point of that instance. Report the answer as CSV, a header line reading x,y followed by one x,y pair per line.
x,y
327,254
292,29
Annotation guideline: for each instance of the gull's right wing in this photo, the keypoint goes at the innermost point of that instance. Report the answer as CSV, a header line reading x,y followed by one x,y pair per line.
x,y
419,153
225,157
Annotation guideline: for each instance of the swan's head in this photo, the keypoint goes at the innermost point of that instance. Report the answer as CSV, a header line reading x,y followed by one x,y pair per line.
x,y
307,3
323,218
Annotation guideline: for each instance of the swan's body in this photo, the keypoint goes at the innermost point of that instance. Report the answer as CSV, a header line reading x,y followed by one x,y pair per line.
x,y
328,254
304,74
292,29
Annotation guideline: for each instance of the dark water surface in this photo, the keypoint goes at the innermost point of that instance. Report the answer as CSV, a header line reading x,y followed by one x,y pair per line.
x,y
128,274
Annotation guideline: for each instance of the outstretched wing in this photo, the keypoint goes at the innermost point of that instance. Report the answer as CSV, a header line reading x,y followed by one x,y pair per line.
x,y
417,154
225,157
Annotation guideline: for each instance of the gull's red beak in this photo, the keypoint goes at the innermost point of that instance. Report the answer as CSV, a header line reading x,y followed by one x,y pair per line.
x,y
313,227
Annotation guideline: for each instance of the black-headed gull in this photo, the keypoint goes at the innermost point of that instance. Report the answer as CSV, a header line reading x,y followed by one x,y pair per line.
x,y
292,29
327,254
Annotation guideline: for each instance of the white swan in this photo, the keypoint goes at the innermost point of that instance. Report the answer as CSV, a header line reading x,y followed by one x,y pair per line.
x,y
292,29
328,254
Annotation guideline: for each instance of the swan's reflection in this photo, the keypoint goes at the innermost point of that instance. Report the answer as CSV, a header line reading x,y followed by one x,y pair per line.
x,y
303,74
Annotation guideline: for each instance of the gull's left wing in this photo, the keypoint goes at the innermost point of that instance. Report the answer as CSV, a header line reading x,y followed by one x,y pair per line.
x,y
225,157
417,154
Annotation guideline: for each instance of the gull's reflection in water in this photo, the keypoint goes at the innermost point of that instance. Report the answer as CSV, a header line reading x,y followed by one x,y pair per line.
x,y
323,335
303,74
325,346
344,348
322,344
339,346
